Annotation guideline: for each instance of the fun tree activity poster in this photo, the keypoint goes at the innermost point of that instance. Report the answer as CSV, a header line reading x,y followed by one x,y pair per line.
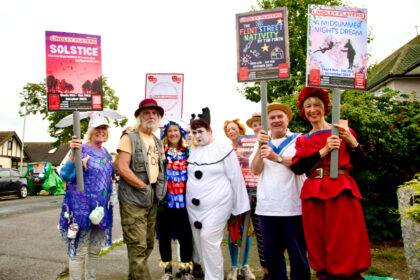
x,y
74,72
262,45
244,151
167,89
337,47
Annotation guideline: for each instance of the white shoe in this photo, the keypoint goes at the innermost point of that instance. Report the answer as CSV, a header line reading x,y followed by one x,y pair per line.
x,y
247,273
233,273
187,276
167,276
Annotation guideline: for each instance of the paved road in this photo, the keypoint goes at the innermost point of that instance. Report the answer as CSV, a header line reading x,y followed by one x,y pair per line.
x,y
30,242
11,206
31,247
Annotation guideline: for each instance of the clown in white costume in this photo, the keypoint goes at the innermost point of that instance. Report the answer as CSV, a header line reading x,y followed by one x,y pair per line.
x,y
215,190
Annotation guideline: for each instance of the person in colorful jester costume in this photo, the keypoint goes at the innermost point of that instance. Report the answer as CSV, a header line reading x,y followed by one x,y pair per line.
x,y
86,216
172,216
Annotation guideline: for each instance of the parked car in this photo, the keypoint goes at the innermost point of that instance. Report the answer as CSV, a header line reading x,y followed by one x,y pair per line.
x,y
12,182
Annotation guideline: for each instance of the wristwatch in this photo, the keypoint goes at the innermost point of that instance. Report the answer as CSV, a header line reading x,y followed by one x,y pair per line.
x,y
279,159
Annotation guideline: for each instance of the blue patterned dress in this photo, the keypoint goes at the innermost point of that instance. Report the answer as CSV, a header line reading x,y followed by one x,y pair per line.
x,y
97,191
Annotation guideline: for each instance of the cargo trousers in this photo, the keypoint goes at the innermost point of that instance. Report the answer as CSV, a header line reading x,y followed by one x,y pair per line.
x,y
138,226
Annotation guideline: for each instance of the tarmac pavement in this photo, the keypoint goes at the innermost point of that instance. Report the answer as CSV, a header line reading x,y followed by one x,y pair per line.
x,y
114,264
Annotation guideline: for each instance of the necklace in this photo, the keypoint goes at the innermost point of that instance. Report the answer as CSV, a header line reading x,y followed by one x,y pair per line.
x,y
174,152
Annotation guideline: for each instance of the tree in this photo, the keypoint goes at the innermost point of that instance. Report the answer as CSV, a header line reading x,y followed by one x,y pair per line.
x,y
69,88
87,86
388,129
97,85
297,20
35,101
63,86
52,83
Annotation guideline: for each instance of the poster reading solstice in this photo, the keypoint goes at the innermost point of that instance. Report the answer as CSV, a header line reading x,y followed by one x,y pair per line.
x,y
74,72
263,45
337,47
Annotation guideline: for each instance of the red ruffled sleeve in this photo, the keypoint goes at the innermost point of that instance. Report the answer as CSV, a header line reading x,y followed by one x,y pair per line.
x,y
325,188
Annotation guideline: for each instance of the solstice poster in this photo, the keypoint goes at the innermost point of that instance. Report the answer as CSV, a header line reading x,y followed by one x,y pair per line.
x,y
337,47
74,71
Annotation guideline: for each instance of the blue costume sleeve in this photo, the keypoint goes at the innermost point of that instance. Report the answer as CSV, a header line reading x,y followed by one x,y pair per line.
x,y
68,171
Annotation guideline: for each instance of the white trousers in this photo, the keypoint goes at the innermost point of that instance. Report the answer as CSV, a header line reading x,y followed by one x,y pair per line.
x,y
88,254
208,241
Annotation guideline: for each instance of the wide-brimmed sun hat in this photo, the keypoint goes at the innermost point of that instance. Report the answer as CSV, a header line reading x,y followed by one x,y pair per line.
x,y
255,117
149,103
278,106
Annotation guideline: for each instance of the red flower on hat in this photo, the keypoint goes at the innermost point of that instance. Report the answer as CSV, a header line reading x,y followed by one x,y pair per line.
x,y
307,92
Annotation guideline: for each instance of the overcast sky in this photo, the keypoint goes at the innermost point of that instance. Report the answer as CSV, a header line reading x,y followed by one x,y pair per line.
x,y
196,38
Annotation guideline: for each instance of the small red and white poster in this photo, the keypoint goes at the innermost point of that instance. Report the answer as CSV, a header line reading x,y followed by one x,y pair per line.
x,y
168,90
244,151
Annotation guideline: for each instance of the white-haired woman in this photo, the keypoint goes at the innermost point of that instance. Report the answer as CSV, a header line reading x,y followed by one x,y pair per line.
x,y
86,217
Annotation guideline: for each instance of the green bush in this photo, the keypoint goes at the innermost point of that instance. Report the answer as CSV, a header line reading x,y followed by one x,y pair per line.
x,y
389,130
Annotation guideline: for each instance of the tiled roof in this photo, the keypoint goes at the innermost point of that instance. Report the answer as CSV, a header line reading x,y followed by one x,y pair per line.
x,y
397,64
6,135
40,152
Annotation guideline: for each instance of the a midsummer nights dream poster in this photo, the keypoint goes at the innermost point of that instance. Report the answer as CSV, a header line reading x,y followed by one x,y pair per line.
x,y
337,47
74,71
244,151
263,45
167,89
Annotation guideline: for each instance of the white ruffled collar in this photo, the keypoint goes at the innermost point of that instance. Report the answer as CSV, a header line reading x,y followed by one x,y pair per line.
x,y
210,154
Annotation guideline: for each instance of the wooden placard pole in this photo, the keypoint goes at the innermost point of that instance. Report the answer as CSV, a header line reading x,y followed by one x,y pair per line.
x,y
78,152
335,120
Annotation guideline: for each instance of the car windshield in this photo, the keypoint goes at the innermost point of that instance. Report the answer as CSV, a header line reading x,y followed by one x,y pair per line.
x,y
4,174
15,173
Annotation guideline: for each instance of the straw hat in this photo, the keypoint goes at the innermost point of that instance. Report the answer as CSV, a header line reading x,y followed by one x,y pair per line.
x,y
255,117
282,107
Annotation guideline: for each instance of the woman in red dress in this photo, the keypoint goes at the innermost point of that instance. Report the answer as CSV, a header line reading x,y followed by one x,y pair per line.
x,y
333,221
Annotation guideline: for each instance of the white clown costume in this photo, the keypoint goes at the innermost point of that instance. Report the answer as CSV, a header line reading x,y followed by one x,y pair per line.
x,y
215,190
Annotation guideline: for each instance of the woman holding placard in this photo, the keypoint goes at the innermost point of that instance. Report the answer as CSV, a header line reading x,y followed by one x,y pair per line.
x,y
333,220
86,217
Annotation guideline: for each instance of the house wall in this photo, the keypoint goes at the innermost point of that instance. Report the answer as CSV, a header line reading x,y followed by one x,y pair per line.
x,y
14,152
404,86
5,162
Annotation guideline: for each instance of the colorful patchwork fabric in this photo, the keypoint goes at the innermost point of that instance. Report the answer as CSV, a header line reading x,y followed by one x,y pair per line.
x,y
176,176
97,190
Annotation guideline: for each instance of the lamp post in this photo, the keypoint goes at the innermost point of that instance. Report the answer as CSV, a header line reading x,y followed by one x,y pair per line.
x,y
22,152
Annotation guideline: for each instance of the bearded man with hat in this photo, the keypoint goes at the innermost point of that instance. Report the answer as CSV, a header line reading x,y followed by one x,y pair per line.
x,y
142,185
278,196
